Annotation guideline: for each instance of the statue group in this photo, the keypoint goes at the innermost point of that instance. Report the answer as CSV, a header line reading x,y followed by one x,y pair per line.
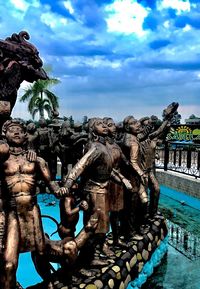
x,y
109,167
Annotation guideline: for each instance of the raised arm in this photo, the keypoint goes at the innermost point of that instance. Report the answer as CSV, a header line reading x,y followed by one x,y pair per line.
x,y
134,161
80,166
160,130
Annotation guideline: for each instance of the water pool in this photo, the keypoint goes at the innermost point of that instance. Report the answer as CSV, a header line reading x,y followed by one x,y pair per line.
x,y
176,271
180,267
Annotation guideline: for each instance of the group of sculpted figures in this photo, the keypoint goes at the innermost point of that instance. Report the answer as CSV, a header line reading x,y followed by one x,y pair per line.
x,y
112,171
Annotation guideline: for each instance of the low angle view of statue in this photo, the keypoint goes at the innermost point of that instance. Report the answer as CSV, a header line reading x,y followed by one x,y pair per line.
x,y
87,199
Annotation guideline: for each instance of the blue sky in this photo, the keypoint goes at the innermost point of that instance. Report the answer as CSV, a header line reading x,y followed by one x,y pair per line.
x,y
114,58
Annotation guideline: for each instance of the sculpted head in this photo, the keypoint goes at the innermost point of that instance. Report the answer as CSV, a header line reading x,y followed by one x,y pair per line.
x,y
112,129
15,132
97,127
132,125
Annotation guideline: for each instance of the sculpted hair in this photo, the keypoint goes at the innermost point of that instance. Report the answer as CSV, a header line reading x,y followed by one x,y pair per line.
x,y
13,122
126,122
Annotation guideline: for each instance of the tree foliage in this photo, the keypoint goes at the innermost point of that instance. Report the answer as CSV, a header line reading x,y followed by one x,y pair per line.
x,y
40,98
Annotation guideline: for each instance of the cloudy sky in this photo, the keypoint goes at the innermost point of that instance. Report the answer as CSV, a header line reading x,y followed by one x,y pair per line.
x,y
114,57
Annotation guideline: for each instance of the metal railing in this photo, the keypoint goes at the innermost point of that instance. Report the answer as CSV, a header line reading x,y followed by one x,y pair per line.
x,y
183,241
182,158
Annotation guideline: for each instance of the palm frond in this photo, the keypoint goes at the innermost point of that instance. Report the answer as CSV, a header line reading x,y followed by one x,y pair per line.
x,y
34,112
48,109
26,95
52,97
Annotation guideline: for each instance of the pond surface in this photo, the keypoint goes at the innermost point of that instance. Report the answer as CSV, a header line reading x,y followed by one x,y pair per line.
x,y
180,268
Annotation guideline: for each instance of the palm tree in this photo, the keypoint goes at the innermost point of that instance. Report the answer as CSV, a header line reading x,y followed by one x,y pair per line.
x,y
40,98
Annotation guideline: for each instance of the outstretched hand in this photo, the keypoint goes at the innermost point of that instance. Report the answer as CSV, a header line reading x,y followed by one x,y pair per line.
x,y
170,110
62,192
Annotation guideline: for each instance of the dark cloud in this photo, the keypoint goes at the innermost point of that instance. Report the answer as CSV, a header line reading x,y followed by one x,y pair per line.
x,y
75,48
148,3
151,22
90,13
172,13
104,2
175,65
160,43
193,21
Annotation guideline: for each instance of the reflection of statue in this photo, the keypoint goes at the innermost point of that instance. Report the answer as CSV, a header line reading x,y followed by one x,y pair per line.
x,y
19,61
24,230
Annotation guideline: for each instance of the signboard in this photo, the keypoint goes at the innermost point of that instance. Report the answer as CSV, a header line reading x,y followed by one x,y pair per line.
x,y
184,133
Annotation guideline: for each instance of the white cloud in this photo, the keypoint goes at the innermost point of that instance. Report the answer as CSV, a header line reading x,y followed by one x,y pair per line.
x,y
68,6
52,20
126,16
20,4
179,5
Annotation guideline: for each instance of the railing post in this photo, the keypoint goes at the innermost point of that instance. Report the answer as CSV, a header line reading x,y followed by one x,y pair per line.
x,y
180,157
189,159
174,161
166,155
198,161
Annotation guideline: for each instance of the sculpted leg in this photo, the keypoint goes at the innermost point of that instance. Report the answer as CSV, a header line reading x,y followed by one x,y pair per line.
x,y
10,259
154,195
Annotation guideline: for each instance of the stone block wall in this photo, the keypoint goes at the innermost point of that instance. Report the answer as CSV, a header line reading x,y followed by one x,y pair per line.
x,y
180,182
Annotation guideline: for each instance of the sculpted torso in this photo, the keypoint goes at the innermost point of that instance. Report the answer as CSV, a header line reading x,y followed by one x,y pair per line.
x,y
20,179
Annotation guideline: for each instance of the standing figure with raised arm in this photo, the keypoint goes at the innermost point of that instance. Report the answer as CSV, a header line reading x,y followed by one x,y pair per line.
x,y
24,231
148,151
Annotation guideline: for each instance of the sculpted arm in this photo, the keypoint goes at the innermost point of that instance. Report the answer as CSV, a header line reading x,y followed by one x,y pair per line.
x,y
80,166
68,208
134,152
46,177
4,151
160,130
119,178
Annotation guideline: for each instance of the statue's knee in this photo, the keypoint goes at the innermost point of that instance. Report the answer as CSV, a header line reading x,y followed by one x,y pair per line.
x,y
11,266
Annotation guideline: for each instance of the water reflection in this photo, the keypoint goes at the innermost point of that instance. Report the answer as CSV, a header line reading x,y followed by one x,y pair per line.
x,y
183,241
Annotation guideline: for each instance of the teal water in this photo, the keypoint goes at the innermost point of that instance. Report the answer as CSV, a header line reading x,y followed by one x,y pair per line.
x,y
180,268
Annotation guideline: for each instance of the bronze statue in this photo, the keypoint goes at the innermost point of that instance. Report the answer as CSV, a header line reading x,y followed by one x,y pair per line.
x,y
136,202
95,167
65,252
19,61
116,190
69,215
69,146
32,136
24,230
148,148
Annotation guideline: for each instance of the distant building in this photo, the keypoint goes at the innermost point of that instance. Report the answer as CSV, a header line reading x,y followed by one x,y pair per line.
x,y
195,120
